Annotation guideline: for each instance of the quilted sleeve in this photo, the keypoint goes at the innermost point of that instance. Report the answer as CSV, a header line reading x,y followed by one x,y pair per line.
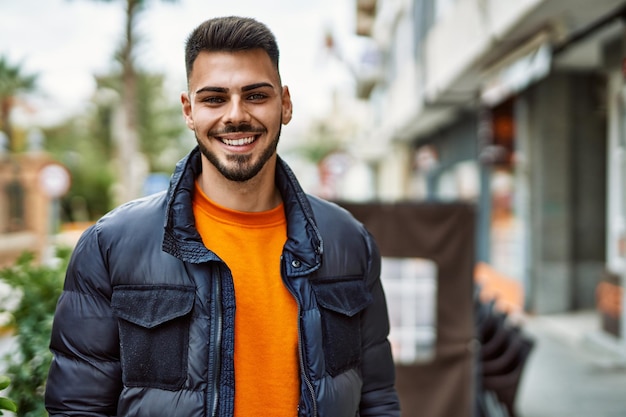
x,y
378,397
85,375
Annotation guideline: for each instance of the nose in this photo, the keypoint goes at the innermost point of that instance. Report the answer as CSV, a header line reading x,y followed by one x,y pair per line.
x,y
236,111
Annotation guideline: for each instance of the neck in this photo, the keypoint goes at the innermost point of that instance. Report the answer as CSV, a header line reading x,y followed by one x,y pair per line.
x,y
257,194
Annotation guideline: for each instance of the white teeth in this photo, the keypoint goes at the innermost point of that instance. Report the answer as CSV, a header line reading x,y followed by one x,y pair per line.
x,y
238,142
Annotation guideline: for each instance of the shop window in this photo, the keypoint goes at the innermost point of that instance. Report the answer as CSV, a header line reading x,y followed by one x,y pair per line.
x,y
497,134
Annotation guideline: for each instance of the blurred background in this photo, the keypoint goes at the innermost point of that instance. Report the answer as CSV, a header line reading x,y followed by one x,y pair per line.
x,y
496,127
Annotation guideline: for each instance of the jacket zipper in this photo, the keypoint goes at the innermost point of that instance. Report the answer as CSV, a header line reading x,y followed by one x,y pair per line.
x,y
305,376
217,337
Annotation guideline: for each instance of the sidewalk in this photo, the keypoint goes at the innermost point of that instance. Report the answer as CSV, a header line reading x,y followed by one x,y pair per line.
x,y
574,370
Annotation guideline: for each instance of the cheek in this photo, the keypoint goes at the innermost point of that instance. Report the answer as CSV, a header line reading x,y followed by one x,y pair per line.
x,y
274,118
200,119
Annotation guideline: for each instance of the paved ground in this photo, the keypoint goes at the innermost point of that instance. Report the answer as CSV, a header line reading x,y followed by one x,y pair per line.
x,y
575,370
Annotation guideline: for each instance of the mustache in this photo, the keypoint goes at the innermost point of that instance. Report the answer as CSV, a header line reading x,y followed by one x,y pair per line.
x,y
240,128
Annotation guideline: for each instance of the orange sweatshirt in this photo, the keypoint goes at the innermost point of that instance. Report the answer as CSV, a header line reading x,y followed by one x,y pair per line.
x,y
266,318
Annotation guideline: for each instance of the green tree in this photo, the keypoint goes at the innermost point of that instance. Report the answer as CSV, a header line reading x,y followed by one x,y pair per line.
x,y
85,144
162,128
127,140
82,144
98,153
6,403
38,288
160,123
13,82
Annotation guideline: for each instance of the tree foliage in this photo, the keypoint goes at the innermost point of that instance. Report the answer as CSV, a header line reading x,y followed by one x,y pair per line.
x,y
6,403
85,144
126,99
127,144
38,287
160,122
13,81
82,145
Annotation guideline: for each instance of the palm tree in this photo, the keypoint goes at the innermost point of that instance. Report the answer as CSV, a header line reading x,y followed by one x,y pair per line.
x,y
127,140
12,83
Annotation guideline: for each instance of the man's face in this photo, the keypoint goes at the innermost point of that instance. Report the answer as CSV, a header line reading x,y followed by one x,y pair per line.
x,y
236,105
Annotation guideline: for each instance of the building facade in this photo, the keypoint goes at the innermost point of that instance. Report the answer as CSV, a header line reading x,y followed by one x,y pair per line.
x,y
520,107
28,204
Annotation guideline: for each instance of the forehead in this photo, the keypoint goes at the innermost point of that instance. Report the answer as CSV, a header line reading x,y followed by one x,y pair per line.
x,y
229,69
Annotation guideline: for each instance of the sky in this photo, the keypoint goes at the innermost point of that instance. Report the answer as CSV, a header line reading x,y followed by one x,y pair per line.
x,y
66,42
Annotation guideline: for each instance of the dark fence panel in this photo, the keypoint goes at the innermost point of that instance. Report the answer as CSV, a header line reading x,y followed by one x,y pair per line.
x,y
445,234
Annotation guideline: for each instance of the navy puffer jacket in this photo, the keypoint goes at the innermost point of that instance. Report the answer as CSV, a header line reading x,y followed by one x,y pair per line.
x,y
145,324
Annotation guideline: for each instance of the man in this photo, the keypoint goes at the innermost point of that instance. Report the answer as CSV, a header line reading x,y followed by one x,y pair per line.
x,y
234,293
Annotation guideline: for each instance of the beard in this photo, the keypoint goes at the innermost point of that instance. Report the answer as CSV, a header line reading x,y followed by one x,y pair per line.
x,y
240,168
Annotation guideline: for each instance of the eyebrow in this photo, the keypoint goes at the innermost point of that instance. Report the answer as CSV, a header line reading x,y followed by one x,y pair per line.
x,y
222,90
257,85
212,90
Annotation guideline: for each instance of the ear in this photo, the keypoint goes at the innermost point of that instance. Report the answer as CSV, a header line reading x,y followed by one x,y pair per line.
x,y
287,105
186,104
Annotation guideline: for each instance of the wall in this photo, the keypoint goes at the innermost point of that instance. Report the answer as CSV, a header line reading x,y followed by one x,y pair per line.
x,y
563,138
32,234
590,187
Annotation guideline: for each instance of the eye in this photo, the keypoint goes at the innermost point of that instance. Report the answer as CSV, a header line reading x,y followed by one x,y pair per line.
x,y
257,96
212,100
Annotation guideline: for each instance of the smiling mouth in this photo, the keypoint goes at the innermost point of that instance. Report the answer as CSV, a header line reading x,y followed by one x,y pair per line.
x,y
238,142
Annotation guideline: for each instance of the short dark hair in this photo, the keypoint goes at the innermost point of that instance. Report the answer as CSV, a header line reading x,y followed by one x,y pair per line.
x,y
230,34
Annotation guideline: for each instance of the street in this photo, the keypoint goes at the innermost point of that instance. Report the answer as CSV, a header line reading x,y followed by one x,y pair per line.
x,y
570,373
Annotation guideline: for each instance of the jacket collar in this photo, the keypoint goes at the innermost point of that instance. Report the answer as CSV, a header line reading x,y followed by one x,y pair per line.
x,y
304,246
303,249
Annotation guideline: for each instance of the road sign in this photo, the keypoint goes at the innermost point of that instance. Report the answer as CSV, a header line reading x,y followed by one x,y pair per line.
x,y
54,180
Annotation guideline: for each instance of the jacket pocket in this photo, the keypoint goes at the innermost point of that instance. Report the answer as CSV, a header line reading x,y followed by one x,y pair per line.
x,y
154,333
341,303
